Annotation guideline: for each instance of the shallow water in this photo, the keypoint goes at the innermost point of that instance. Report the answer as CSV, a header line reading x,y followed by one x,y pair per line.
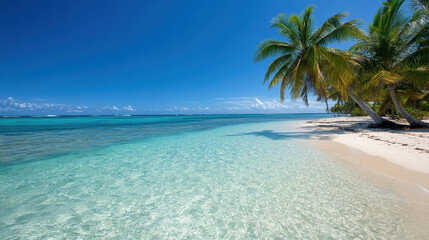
x,y
238,180
30,138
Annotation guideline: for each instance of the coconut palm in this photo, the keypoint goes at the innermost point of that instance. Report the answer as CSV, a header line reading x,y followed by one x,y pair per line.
x,y
421,8
305,64
420,21
361,84
393,46
421,5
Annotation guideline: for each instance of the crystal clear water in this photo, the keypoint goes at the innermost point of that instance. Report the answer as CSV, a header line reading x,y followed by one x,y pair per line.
x,y
192,177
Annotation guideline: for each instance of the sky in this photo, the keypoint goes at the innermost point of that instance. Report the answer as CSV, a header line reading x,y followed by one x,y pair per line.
x,y
147,57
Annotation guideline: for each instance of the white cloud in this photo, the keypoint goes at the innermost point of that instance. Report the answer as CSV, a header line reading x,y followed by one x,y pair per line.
x,y
110,108
114,108
129,108
13,106
254,103
188,109
269,105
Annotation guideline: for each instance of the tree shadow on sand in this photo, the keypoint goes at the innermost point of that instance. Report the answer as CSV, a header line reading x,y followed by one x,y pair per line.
x,y
321,135
325,131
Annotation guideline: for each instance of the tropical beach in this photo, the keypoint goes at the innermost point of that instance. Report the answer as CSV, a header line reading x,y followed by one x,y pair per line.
x,y
149,120
198,176
407,149
401,160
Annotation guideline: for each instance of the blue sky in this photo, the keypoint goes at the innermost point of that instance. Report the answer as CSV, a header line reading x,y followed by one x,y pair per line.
x,y
145,57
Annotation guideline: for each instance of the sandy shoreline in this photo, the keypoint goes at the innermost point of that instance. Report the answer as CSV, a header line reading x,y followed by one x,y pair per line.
x,y
402,154
399,158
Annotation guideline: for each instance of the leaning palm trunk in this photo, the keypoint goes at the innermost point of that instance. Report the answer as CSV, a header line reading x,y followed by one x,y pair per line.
x,y
414,122
375,117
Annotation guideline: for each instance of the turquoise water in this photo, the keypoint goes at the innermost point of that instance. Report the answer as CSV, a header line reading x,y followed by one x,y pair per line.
x,y
192,177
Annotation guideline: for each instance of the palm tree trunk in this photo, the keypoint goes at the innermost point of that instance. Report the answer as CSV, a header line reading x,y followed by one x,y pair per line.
x,y
375,117
414,122
326,103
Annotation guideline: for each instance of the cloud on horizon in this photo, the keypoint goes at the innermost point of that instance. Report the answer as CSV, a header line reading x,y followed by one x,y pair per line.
x,y
114,108
235,105
269,105
249,105
188,109
11,106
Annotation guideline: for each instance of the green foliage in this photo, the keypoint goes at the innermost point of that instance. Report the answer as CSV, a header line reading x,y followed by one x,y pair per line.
x,y
394,52
348,107
303,63
385,107
397,53
358,112
344,107
416,112
424,105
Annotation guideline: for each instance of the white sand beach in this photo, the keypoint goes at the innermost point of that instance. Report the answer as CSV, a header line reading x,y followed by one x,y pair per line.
x,y
403,154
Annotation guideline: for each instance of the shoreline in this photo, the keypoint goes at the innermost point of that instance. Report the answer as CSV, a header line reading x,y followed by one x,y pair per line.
x,y
401,154
374,153
377,164
381,171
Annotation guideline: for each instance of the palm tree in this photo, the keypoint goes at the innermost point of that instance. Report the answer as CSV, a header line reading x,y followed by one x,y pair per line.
x,y
420,21
360,83
421,5
421,14
392,46
305,64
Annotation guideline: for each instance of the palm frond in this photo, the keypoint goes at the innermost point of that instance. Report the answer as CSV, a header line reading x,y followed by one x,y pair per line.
x,y
312,56
345,32
286,28
386,77
417,58
329,25
277,65
340,67
281,73
419,78
272,48
419,5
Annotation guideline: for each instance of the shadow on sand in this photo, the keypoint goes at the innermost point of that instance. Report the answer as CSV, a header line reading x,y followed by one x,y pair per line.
x,y
322,135
324,131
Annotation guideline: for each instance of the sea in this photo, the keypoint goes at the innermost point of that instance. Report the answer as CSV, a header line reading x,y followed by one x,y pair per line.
x,y
184,177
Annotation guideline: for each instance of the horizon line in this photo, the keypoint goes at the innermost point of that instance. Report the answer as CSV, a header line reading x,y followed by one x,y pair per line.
x,y
142,115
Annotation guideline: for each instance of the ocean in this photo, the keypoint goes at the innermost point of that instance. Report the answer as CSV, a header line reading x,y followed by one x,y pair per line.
x,y
184,177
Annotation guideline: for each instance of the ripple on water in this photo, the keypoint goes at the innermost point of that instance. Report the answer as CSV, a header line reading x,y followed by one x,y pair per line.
x,y
214,184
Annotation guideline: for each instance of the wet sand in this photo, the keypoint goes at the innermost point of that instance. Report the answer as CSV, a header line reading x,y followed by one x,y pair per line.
x,y
399,158
403,154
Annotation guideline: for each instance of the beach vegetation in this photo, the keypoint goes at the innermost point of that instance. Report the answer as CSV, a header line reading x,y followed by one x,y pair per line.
x,y
304,63
385,73
397,51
